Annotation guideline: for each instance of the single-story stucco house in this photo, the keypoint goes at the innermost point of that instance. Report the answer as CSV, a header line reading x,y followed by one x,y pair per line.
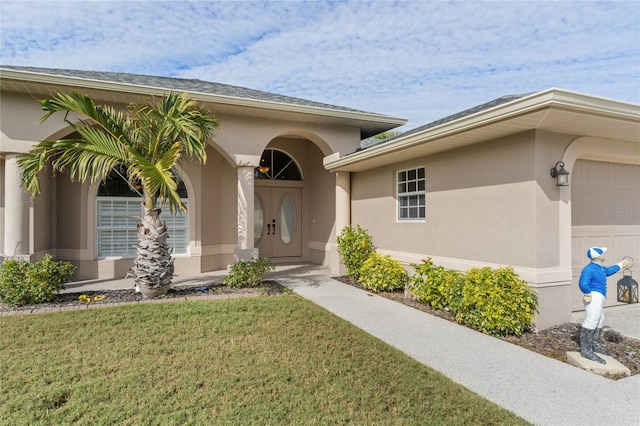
x,y
285,175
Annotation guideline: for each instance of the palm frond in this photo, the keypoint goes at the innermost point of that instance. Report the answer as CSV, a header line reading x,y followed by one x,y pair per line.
x,y
103,144
104,116
31,164
176,118
158,178
87,160
150,140
90,159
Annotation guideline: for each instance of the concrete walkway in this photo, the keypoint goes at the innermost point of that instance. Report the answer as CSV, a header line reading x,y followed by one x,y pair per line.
x,y
542,390
539,389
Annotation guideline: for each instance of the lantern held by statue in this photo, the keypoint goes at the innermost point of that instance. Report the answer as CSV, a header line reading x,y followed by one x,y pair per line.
x,y
627,288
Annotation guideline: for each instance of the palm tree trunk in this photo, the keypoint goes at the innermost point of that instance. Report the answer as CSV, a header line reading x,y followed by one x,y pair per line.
x,y
153,267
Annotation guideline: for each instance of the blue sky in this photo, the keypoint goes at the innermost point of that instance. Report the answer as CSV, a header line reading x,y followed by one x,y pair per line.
x,y
418,60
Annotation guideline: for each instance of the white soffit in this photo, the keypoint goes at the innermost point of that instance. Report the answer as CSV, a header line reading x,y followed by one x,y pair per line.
x,y
553,110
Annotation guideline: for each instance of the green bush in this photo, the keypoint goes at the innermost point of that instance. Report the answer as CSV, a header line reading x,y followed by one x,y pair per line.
x,y
380,273
436,286
25,283
354,246
496,301
493,301
248,273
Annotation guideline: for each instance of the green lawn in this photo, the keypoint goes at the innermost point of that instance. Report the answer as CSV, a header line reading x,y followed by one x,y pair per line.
x,y
270,360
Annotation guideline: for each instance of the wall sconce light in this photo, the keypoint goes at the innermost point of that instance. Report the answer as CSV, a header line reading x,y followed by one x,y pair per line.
x,y
561,175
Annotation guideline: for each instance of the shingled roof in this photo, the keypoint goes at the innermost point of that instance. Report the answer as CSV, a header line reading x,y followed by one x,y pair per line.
x,y
372,141
180,84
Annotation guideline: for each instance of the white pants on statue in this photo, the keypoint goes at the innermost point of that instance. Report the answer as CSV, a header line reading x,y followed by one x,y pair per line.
x,y
594,311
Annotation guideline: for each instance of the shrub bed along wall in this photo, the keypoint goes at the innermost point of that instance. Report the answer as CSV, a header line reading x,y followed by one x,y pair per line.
x,y
493,301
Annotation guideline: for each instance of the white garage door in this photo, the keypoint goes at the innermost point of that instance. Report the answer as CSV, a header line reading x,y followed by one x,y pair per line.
x,y
605,211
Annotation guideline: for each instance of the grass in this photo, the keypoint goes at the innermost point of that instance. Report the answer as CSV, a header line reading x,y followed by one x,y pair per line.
x,y
276,360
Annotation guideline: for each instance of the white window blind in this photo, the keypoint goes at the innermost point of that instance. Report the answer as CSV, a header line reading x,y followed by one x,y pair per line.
x,y
116,220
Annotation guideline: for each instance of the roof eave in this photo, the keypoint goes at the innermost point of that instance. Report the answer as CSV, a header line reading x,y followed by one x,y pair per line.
x,y
551,98
382,121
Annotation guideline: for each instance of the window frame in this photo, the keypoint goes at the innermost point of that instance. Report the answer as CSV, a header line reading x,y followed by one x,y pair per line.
x,y
407,194
273,174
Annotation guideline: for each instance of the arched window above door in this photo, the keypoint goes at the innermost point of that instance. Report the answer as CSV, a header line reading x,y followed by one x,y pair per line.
x,y
277,165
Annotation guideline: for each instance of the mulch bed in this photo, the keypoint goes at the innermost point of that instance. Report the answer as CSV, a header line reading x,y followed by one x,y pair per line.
x,y
553,342
109,297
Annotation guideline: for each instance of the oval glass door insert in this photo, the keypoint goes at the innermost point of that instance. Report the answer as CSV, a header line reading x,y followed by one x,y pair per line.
x,y
287,216
258,217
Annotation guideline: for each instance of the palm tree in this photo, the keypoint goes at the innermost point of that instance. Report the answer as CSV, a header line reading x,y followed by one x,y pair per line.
x,y
149,141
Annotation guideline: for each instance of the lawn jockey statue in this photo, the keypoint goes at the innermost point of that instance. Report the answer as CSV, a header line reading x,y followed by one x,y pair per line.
x,y
593,283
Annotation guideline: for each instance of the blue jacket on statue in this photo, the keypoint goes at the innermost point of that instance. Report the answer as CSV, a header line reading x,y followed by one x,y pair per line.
x,y
594,277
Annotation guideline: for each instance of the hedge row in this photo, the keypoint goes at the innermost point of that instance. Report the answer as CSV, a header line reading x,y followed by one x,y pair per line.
x,y
493,301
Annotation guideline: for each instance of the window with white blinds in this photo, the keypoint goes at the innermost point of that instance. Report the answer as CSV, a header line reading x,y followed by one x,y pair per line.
x,y
116,220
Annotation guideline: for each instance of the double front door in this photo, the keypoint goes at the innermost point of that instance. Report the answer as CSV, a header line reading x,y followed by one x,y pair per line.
x,y
277,222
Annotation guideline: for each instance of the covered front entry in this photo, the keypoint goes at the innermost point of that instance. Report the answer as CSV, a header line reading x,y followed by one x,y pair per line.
x,y
278,222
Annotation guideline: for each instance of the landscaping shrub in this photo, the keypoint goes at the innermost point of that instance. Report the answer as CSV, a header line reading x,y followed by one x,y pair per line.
x,y
493,301
25,283
380,273
496,301
354,246
436,286
248,273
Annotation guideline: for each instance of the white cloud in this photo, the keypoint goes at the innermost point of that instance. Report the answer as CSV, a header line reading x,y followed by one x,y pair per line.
x,y
420,60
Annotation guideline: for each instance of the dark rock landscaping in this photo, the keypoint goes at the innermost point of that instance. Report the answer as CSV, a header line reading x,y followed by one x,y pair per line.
x,y
553,342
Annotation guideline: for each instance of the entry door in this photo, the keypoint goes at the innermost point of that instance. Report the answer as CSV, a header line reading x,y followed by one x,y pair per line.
x,y
277,222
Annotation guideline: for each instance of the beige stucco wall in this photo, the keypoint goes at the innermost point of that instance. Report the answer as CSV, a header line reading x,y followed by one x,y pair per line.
x,y
251,135
213,209
475,198
489,204
62,220
20,116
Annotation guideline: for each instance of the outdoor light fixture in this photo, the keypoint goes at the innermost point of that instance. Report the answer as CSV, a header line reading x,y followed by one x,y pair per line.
x,y
627,286
561,175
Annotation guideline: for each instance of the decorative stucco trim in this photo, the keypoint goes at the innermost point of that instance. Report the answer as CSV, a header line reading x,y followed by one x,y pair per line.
x,y
536,277
320,246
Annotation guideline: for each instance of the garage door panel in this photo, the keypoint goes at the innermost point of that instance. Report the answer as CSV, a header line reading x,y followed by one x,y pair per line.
x,y
595,174
620,240
605,207
622,176
623,245
592,210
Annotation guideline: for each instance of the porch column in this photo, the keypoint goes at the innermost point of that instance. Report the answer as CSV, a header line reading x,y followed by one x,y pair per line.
x,y
2,204
246,165
16,211
343,216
